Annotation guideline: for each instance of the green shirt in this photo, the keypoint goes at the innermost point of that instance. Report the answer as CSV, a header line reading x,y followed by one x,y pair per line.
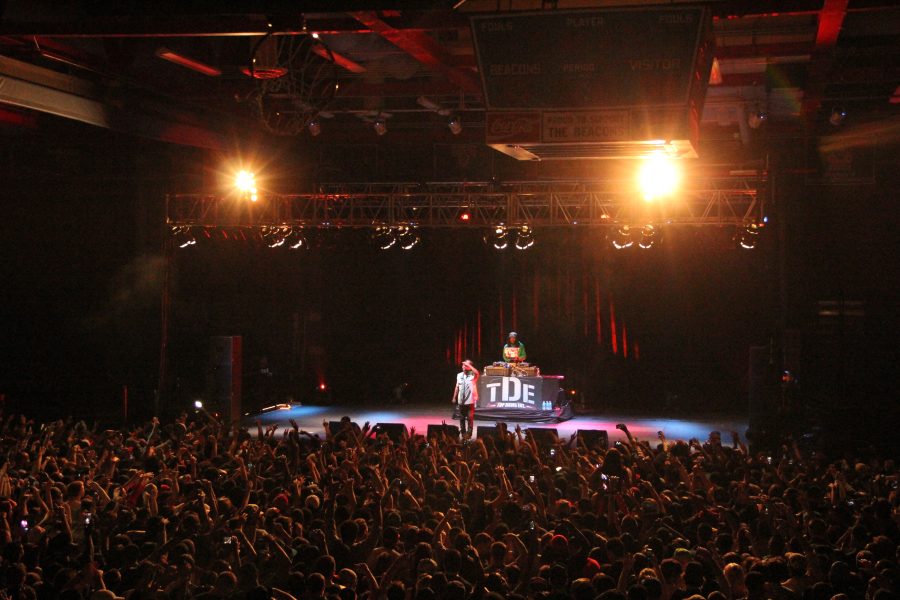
x,y
514,351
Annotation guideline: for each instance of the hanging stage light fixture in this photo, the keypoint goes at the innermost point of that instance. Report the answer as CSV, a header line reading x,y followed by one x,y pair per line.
x,y
747,237
380,125
659,176
274,236
756,119
498,237
384,237
622,238
525,238
183,236
649,236
455,125
296,240
838,114
407,238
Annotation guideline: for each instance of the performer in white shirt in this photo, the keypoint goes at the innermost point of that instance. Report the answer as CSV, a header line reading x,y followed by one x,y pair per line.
x,y
465,395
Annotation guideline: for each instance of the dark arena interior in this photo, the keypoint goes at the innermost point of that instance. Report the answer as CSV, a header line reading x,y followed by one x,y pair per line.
x,y
449,299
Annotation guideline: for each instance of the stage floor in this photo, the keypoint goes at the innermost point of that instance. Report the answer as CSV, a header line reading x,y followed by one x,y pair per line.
x,y
310,418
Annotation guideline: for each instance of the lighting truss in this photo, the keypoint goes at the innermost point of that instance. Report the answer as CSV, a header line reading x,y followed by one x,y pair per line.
x,y
731,201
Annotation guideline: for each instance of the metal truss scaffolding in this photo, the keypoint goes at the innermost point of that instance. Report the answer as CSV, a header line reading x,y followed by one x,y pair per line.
x,y
719,202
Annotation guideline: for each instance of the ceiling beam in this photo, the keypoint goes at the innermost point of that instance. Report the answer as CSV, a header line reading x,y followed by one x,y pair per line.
x,y
28,86
401,89
742,79
831,18
830,21
763,50
422,47
230,25
338,59
131,27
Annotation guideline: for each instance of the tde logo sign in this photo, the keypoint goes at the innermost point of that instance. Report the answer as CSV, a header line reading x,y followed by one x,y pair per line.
x,y
511,392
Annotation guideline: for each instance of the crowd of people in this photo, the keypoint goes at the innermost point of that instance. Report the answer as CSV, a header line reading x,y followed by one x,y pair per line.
x,y
199,509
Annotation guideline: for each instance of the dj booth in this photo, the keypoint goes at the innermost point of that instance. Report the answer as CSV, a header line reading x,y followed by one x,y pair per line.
x,y
520,393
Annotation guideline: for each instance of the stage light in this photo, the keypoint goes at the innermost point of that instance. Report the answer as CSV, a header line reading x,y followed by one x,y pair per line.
x,y
455,125
407,238
756,119
658,176
380,126
384,238
525,238
498,237
295,240
274,237
747,237
183,236
837,117
245,181
198,404
648,237
314,127
465,216
622,238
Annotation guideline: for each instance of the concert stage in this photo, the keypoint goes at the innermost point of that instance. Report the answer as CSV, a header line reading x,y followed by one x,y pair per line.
x,y
420,416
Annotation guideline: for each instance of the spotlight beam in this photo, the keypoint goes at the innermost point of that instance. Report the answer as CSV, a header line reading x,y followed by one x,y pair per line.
x,y
245,183
657,177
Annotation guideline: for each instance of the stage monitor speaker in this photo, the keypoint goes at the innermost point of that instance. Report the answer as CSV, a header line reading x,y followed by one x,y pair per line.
x,y
394,431
486,431
594,438
337,426
434,430
545,437
224,382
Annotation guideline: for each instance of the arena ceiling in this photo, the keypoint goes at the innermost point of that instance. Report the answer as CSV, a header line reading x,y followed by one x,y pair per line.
x,y
195,72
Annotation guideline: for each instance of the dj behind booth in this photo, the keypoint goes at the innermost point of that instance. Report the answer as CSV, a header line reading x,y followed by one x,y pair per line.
x,y
515,390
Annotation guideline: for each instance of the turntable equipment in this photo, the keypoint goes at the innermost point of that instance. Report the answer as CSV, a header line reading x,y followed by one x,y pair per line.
x,y
520,371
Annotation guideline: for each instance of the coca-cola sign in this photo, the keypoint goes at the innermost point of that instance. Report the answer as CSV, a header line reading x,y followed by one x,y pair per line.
x,y
513,127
